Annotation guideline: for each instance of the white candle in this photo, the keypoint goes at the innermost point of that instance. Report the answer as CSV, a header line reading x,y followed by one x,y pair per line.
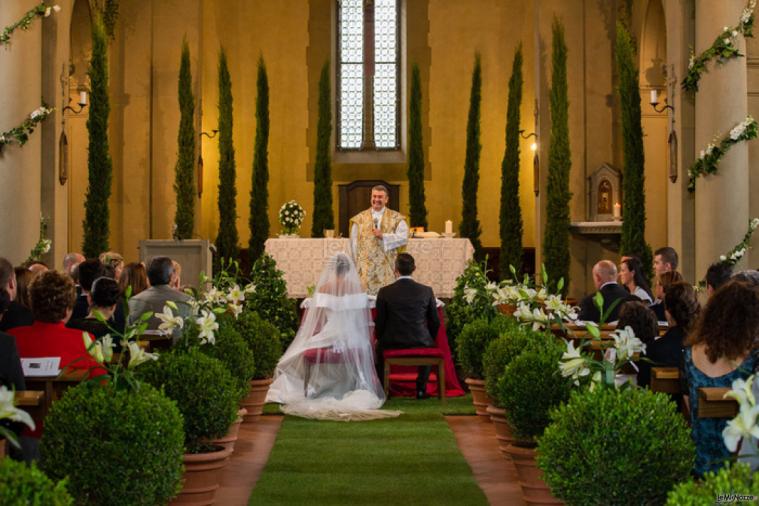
x,y
448,227
617,211
82,98
654,97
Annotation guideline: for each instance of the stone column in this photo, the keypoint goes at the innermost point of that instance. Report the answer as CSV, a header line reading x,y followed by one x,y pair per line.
x,y
20,82
722,200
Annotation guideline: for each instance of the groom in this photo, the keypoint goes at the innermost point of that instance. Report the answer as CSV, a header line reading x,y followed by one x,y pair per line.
x,y
406,318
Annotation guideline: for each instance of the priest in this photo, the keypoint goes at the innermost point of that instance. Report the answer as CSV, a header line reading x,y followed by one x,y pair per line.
x,y
377,235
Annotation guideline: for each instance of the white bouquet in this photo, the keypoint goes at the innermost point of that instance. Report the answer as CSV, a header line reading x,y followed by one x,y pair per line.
x,y
291,216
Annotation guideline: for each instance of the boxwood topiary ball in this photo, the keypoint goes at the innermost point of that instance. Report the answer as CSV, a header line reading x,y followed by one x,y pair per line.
x,y
22,485
615,447
736,479
116,446
232,351
263,340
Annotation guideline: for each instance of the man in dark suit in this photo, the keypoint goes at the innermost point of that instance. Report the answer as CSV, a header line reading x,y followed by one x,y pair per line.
x,y
16,314
406,318
605,279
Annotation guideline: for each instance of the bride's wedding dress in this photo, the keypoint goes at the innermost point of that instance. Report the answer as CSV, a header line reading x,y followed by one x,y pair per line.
x,y
328,371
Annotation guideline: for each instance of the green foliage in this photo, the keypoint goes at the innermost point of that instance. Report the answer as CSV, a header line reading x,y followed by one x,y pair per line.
x,y
609,446
556,236
512,341
461,311
709,158
259,192
470,225
99,166
633,241
263,339
226,241
511,212
417,208
531,385
231,350
40,10
116,446
270,299
736,479
472,343
22,485
323,216
184,173
204,391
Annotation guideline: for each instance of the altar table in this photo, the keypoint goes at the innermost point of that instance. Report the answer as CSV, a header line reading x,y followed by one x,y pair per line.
x,y
439,261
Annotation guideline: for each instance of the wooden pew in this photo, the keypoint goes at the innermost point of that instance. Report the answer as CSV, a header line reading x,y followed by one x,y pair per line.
x,y
712,404
665,379
53,387
33,402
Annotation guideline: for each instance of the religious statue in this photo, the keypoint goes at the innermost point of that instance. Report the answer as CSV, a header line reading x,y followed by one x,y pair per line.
x,y
604,197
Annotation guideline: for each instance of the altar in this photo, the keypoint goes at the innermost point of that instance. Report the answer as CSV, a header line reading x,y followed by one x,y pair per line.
x,y
439,261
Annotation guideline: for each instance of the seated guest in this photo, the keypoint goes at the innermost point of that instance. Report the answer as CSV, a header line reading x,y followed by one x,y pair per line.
x,y
11,374
406,318
154,298
663,281
16,315
665,260
113,260
720,352
24,278
71,261
105,296
134,275
605,279
749,276
639,317
717,275
36,267
87,272
176,278
631,277
53,297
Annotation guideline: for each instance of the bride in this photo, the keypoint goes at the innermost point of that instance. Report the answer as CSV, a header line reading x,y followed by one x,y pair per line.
x,y
328,371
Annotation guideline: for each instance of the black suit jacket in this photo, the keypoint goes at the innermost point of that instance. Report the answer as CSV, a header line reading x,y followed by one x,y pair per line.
x,y
667,351
611,292
11,374
406,315
17,315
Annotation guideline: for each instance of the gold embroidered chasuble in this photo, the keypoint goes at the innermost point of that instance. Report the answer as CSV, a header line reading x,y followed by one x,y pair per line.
x,y
375,265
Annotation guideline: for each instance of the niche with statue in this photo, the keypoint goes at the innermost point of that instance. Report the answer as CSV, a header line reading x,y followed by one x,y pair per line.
x,y
605,194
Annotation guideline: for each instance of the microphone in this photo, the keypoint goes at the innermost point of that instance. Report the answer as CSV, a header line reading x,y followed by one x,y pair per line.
x,y
376,223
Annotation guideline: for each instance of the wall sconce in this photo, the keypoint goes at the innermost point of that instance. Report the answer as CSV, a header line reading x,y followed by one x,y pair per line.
x,y
535,160
82,103
654,101
200,159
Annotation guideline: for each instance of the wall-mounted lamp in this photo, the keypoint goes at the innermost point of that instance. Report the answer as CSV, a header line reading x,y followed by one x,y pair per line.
x,y
654,101
535,159
200,159
82,103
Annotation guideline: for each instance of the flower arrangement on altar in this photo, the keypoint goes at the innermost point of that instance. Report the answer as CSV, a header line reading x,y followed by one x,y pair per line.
x,y
709,157
291,216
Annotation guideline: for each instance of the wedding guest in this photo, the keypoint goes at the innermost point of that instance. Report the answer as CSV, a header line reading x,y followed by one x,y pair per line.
x,y
154,298
605,279
114,260
16,315
11,374
663,281
720,351
105,296
665,260
749,276
88,271
638,316
631,276
176,278
36,266
134,275
24,278
53,297
71,261
717,275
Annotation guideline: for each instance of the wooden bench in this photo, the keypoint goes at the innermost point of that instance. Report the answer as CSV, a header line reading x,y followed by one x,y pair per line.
x,y
33,402
665,379
406,357
53,387
712,403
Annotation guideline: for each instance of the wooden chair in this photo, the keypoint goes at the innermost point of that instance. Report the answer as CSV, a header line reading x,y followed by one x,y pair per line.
x,y
416,357
712,403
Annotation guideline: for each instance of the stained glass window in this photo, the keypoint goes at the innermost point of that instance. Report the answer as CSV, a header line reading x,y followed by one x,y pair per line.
x,y
368,78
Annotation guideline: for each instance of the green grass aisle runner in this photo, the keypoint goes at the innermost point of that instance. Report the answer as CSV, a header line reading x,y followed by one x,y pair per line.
x,y
412,459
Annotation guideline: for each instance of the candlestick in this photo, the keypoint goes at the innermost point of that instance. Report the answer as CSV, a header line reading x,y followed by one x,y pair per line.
x,y
448,227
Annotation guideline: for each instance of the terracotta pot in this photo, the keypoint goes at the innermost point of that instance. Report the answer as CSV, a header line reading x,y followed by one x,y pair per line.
x,y
507,309
534,489
503,432
202,474
480,397
228,441
256,399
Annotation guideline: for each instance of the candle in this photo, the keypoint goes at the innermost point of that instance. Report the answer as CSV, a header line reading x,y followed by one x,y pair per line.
x,y
654,97
82,98
448,227
617,211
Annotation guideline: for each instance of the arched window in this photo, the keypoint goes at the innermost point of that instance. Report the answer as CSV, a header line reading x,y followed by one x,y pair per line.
x,y
368,75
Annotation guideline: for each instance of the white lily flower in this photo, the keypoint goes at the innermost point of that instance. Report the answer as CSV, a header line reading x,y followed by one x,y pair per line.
x,y
94,350
743,425
107,342
235,295
627,344
138,356
8,411
250,288
469,294
236,310
742,392
169,322
573,364
207,324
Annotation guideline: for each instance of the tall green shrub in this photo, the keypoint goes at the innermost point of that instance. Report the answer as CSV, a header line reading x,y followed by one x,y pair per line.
x,y
259,192
511,213
556,237
470,225
99,166
184,180
633,241
270,299
226,241
323,216
417,208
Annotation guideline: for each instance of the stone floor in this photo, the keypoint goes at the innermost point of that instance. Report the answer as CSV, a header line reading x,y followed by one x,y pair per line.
x,y
475,438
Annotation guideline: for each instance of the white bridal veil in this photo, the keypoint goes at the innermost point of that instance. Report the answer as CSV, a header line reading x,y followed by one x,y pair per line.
x,y
328,371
